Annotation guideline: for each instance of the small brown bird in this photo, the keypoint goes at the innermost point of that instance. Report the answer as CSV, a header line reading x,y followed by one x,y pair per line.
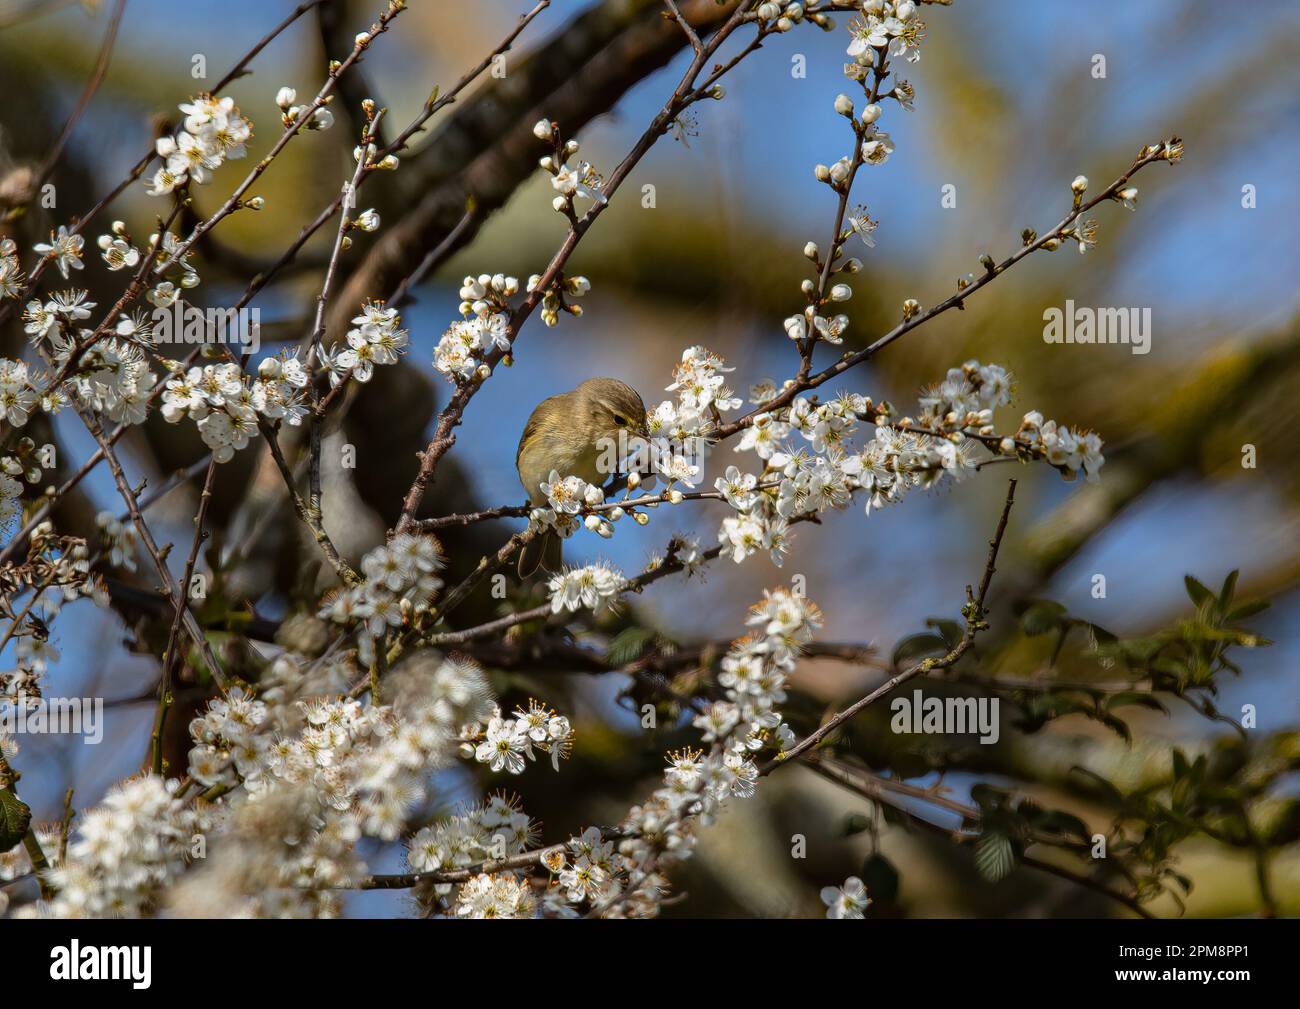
x,y
567,434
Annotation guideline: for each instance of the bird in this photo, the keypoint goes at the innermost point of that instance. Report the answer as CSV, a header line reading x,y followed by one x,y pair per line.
x,y
566,434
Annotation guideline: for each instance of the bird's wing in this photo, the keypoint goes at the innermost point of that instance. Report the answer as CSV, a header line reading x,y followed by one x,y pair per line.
x,y
534,421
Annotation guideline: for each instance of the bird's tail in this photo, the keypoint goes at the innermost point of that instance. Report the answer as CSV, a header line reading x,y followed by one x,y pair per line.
x,y
544,551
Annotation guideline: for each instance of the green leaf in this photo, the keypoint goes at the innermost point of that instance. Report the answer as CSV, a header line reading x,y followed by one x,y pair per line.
x,y
1247,610
1057,821
15,818
949,630
1136,697
1229,587
995,856
1183,881
1102,638
916,646
1042,616
1198,593
880,878
856,823
628,645
1104,785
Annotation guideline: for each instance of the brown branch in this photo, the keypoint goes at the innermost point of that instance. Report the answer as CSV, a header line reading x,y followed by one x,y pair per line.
x,y
877,789
92,85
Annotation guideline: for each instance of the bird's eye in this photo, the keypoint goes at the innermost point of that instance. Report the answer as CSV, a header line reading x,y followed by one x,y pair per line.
x,y
620,421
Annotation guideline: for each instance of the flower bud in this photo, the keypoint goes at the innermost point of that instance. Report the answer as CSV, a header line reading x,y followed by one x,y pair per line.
x,y
841,292
543,130
843,105
285,97
1079,184
871,113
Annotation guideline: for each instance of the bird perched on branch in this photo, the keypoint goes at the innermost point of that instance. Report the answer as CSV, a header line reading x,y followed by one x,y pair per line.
x,y
569,434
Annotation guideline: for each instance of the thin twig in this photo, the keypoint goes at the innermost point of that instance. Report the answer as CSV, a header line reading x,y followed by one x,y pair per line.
x,y
173,635
974,614
92,85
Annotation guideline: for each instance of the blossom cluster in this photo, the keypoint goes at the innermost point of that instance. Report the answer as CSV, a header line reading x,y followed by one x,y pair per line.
x,y
123,852
494,829
505,744
319,773
18,394
366,760
489,895
57,570
484,326
212,133
321,118
120,540
113,376
661,831
823,469
11,489
376,338
400,580
595,587
699,379
887,27
11,276
567,181
225,403
964,402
